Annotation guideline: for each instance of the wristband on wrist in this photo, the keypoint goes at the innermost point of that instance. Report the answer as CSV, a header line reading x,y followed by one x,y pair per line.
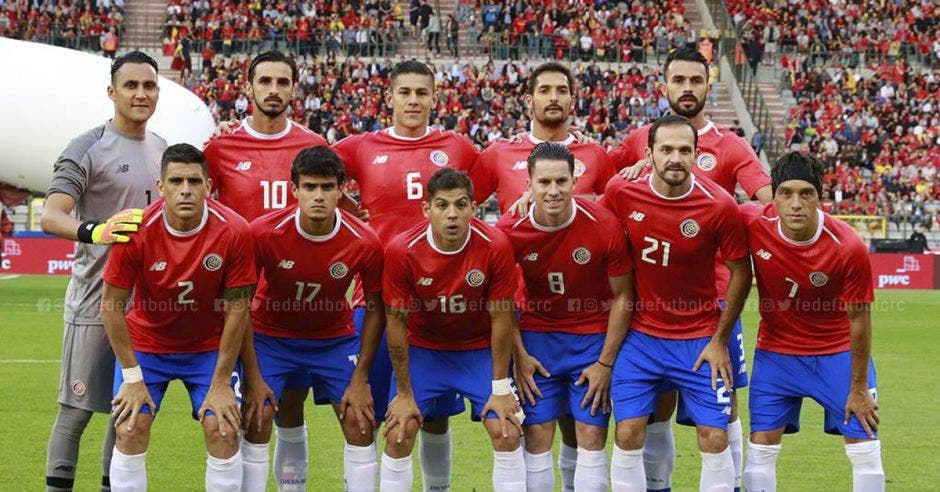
x,y
132,374
84,231
502,386
609,366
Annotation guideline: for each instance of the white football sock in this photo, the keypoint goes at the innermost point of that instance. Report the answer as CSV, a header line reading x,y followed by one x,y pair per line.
x,y
290,458
867,472
760,475
659,455
254,466
224,474
591,473
435,454
359,467
128,471
396,474
736,444
509,471
539,475
717,472
567,462
626,470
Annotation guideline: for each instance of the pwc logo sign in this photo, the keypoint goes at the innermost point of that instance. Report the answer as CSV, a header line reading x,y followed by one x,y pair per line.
x,y
903,271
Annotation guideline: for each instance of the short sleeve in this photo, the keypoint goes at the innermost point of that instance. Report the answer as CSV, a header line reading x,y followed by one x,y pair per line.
x,y
605,171
70,171
749,172
483,177
241,264
396,288
730,232
346,149
123,264
469,155
503,269
618,260
371,274
627,153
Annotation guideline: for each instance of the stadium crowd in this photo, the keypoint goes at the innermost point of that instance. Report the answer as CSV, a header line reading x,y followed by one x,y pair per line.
x,y
86,25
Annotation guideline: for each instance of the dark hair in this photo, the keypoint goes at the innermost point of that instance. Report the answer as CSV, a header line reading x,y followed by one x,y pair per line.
x,y
318,161
132,57
671,120
183,153
448,179
551,151
685,54
797,165
272,56
410,66
548,67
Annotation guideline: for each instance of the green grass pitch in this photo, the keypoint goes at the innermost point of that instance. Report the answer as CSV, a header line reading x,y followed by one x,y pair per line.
x,y
906,343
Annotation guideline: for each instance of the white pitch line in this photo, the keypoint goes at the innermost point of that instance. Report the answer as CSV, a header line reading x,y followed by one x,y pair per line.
x,y
29,361
8,277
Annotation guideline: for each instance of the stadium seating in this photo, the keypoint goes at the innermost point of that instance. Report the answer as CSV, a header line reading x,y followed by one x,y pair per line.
x,y
79,25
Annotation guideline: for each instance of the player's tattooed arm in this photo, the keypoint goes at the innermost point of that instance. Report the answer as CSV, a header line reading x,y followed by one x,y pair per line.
x,y
860,401
403,408
132,396
237,293
503,401
255,392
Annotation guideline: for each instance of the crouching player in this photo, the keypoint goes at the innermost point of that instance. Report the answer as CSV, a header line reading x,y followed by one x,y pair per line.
x,y
815,286
191,267
307,256
448,286
573,322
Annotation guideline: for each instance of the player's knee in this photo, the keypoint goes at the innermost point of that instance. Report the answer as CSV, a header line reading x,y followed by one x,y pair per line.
x,y
396,449
133,440
353,432
539,437
290,408
219,445
712,439
767,438
70,423
260,435
592,437
504,441
629,433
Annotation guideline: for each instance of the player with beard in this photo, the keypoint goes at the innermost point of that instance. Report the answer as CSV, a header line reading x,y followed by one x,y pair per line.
x,y
679,335
727,160
503,169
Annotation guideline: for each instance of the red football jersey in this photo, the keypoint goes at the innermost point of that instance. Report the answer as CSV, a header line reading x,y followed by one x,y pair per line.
x,y
393,171
303,279
503,169
804,287
446,292
565,268
723,157
178,278
671,242
250,171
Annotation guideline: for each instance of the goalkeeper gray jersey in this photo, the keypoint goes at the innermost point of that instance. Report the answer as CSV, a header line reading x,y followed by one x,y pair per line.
x,y
105,171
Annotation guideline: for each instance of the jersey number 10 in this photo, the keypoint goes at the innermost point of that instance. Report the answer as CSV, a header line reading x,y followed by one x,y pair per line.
x,y
275,194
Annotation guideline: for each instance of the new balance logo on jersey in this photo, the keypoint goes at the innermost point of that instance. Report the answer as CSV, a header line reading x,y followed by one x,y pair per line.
x,y
531,257
243,166
425,281
764,255
520,165
380,159
637,216
158,266
285,264
123,168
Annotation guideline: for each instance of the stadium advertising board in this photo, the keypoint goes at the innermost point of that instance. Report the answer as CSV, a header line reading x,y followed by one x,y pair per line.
x,y
904,271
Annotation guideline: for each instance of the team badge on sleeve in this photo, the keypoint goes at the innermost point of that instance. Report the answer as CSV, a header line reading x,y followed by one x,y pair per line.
x,y
338,270
212,262
579,168
581,256
439,158
706,162
818,279
475,278
689,228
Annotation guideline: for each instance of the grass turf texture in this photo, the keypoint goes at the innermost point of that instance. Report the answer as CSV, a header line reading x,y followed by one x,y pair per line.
x,y
31,334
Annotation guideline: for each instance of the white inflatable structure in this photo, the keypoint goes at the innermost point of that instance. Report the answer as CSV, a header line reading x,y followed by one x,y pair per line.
x,y
49,95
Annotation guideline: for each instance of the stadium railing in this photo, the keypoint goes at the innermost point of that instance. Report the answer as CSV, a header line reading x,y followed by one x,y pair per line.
x,y
869,226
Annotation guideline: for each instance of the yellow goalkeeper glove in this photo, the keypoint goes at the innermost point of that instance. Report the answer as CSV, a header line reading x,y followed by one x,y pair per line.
x,y
113,230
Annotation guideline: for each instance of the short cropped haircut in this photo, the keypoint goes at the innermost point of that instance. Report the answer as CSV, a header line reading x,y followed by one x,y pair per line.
x,y
449,179
548,67
551,151
273,56
183,153
685,54
797,165
671,120
410,67
318,161
132,57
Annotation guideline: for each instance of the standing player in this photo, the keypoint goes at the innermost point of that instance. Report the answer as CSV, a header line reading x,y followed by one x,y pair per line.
x,y
250,171
109,171
191,257
448,285
391,167
572,322
502,169
815,286
727,160
307,256
672,221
